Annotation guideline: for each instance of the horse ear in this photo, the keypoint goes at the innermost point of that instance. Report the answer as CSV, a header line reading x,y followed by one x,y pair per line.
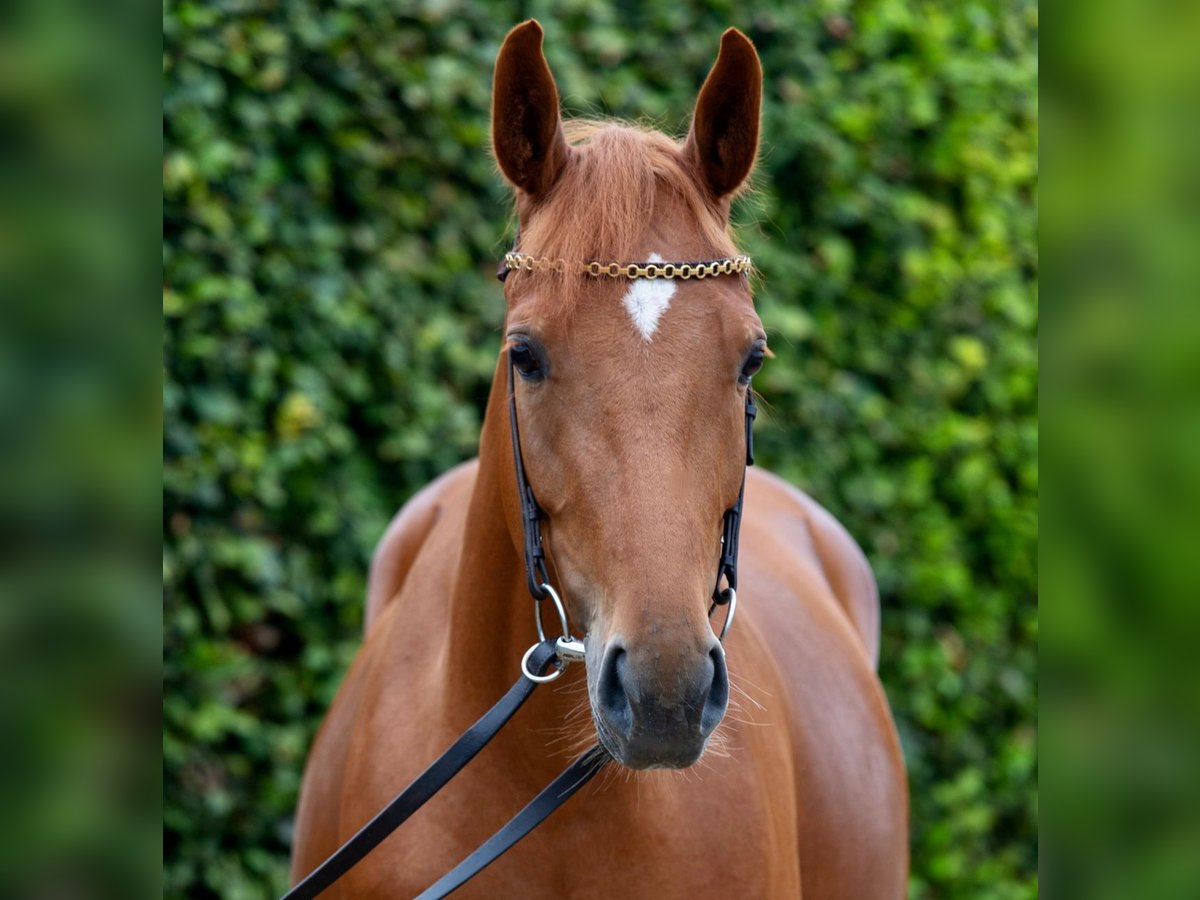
x,y
527,134
723,141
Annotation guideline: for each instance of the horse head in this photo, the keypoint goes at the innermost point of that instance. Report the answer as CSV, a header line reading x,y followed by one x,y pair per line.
x,y
631,392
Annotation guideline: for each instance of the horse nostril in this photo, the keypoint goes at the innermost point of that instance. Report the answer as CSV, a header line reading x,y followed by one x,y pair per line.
x,y
718,693
611,695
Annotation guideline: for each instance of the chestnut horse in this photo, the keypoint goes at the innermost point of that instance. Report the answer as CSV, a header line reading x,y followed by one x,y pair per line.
x,y
630,396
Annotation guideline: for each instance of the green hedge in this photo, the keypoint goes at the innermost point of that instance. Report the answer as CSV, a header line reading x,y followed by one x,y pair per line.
x,y
331,222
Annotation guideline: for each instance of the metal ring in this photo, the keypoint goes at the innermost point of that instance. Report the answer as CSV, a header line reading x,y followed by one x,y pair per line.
x,y
556,672
729,614
562,614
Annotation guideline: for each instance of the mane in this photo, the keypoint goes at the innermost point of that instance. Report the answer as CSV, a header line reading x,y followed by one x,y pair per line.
x,y
609,192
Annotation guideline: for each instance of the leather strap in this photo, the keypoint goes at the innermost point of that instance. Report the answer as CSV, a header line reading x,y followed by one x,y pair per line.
x,y
732,523
554,795
531,514
427,783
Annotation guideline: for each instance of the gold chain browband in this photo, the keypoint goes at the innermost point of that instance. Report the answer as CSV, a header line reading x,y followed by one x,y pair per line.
x,y
730,265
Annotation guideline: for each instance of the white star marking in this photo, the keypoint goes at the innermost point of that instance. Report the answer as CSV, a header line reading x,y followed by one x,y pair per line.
x,y
647,299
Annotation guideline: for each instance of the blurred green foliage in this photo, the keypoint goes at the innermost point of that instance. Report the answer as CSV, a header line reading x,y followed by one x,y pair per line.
x,y
1120,675
331,224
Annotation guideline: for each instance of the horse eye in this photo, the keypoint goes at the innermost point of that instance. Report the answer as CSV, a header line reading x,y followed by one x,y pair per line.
x,y
525,360
753,363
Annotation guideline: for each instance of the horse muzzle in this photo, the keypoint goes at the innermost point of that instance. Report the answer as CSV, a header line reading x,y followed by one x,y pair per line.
x,y
653,715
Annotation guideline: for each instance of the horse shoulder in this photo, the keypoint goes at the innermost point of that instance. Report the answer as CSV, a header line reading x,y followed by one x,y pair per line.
x,y
319,808
406,535
841,560
812,622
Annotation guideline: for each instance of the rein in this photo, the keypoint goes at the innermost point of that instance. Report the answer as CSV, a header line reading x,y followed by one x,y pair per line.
x,y
434,778
547,659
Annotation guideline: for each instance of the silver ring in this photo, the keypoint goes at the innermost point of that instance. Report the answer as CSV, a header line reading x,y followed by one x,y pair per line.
x,y
556,672
729,614
562,615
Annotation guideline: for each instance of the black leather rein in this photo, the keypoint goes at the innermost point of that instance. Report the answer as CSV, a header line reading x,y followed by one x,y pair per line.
x,y
434,778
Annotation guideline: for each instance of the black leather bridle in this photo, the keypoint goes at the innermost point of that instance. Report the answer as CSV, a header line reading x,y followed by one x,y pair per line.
x,y
536,575
540,659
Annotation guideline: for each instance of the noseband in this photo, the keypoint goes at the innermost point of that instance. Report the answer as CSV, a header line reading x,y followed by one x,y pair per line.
x,y
545,660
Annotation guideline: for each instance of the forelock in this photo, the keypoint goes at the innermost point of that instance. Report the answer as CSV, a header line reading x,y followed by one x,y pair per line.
x,y
607,196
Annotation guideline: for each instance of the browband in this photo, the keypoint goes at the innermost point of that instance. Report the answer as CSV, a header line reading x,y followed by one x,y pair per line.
x,y
729,265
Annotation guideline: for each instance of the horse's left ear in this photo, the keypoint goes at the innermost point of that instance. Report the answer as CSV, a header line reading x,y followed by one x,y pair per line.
x,y
723,141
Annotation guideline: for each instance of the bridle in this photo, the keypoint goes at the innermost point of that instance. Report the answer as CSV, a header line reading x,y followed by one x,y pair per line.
x,y
547,659
537,578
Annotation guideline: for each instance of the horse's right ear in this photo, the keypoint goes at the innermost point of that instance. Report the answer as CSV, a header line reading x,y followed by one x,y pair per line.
x,y
527,134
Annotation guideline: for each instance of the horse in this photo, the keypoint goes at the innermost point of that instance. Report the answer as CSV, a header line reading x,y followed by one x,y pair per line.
x,y
631,395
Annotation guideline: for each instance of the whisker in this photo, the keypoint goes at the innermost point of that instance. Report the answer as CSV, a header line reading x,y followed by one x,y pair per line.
x,y
746,694
741,677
